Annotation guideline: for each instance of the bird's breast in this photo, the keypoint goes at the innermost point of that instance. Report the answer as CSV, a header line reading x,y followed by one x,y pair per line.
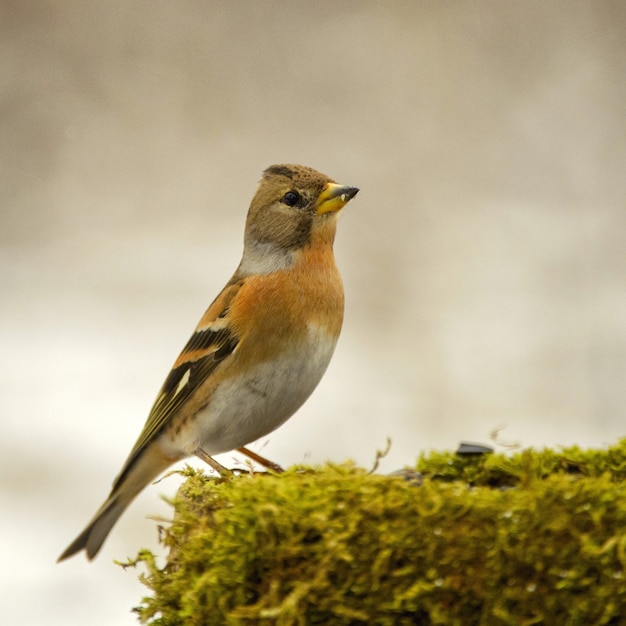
x,y
287,324
279,309
246,407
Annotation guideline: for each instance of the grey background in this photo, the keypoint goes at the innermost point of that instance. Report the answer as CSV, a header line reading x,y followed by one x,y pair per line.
x,y
483,260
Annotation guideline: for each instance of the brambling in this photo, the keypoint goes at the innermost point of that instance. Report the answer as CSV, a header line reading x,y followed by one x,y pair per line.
x,y
260,349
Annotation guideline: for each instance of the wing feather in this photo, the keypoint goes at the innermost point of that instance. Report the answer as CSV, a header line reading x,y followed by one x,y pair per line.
x,y
211,343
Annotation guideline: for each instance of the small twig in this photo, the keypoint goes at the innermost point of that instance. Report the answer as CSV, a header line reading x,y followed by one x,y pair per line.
x,y
494,435
381,454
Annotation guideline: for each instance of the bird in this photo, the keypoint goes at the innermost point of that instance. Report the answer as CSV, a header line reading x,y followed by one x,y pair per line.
x,y
259,350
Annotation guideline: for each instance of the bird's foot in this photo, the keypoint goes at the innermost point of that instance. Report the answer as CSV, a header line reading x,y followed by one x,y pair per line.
x,y
261,460
224,472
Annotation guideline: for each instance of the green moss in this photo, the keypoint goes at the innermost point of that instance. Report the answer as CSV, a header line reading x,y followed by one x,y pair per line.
x,y
531,538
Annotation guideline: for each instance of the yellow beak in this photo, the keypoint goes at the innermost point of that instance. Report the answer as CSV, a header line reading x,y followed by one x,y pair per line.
x,y
334,198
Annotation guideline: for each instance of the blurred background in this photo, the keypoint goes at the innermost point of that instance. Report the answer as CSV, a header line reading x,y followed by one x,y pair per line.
x,y
484,259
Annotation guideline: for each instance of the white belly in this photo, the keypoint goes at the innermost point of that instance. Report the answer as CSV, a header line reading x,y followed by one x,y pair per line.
x,y
240,411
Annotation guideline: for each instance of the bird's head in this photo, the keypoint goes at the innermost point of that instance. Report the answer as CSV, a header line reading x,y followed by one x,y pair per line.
x,y
293,207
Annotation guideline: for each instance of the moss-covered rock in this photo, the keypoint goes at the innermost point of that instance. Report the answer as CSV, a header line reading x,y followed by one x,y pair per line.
x,y
530,538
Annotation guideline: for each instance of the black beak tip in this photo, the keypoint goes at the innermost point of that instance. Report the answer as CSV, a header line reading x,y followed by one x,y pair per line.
x,y
350,192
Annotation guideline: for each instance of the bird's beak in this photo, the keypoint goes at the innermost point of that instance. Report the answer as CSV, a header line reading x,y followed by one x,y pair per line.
x,y
334,198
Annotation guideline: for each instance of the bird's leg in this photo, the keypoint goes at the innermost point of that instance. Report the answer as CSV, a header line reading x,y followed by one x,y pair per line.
x,y
209,460
261,460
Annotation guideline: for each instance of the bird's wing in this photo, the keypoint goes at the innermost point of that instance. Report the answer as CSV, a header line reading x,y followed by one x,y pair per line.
x,y
211,343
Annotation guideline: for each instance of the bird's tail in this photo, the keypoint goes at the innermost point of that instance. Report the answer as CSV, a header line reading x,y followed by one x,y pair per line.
x,y
92,538
142,471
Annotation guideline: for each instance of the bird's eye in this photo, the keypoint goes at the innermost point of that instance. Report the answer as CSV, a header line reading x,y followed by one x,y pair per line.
x,y
291,198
